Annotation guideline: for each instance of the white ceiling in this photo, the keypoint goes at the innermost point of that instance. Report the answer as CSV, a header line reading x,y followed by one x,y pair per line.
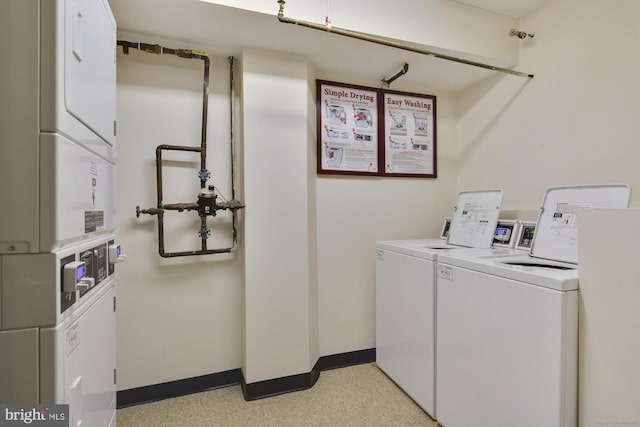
x,y
226,30
514,8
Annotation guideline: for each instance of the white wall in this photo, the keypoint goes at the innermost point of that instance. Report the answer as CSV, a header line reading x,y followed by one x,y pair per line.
x,y
280,328
183,317
575,122
355,212
178,317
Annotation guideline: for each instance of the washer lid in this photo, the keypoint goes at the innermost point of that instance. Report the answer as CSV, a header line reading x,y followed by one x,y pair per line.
x,y
556,235
475,218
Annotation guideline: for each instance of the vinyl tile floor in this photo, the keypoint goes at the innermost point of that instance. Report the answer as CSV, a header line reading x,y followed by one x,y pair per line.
x,y
359,395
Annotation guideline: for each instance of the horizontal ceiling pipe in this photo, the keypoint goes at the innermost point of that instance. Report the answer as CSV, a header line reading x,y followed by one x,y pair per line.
x,y
372,39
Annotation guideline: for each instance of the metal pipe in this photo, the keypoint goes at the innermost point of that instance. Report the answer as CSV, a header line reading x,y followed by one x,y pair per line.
x,y
181,207
159,197
205,107
161,233
188,54
209,208
203,232
232,112
372,39
177,148
159,150
396,76
192,253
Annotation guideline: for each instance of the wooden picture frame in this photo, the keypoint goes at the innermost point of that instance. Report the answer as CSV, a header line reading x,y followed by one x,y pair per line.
x,y
348,139
375,132
409,134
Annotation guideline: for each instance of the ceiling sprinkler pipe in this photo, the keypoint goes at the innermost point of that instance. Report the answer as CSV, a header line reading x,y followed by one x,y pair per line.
x,y
372,39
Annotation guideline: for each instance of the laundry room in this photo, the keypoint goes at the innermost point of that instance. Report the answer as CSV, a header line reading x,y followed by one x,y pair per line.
x,y
250,258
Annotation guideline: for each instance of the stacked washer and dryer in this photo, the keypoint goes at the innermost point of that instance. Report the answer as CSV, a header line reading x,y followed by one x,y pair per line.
x,y
507,326
57,220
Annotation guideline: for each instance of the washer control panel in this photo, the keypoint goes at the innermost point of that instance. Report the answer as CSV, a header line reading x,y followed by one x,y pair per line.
x,y
85,268
506,233
525,237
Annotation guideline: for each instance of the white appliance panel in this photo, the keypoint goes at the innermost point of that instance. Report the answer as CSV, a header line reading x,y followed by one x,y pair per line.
x,y
19,90
69,26
609,317
89,66
556,236
79,360
506,352
49,89
57,177
517,265
31,286
80,189
19,366
475,218
405,324
29,290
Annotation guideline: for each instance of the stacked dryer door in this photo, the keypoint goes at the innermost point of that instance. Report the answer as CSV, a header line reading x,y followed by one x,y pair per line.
x,y
57,157
57,160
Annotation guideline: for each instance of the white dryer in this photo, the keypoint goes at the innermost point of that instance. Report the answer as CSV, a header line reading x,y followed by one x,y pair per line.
x,y
405,293
57,221
507,326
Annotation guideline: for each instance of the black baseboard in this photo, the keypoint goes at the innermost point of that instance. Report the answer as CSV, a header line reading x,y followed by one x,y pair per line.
x,y
251,391
152,393
341,360
282,385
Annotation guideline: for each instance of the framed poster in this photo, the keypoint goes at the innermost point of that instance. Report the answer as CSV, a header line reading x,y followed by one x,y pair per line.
x,y
409,134
348,134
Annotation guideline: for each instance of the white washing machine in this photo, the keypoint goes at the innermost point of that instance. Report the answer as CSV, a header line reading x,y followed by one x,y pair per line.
x,y
57,221
507,326
405,294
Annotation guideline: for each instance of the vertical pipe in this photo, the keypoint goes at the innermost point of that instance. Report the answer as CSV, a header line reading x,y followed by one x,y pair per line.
x,y
202,149
161,234
159,200
232,108
159,176
205,105
203,238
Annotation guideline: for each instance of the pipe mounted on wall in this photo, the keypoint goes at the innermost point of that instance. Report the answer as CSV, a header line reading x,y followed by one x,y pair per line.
x,y
207,203
372,39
